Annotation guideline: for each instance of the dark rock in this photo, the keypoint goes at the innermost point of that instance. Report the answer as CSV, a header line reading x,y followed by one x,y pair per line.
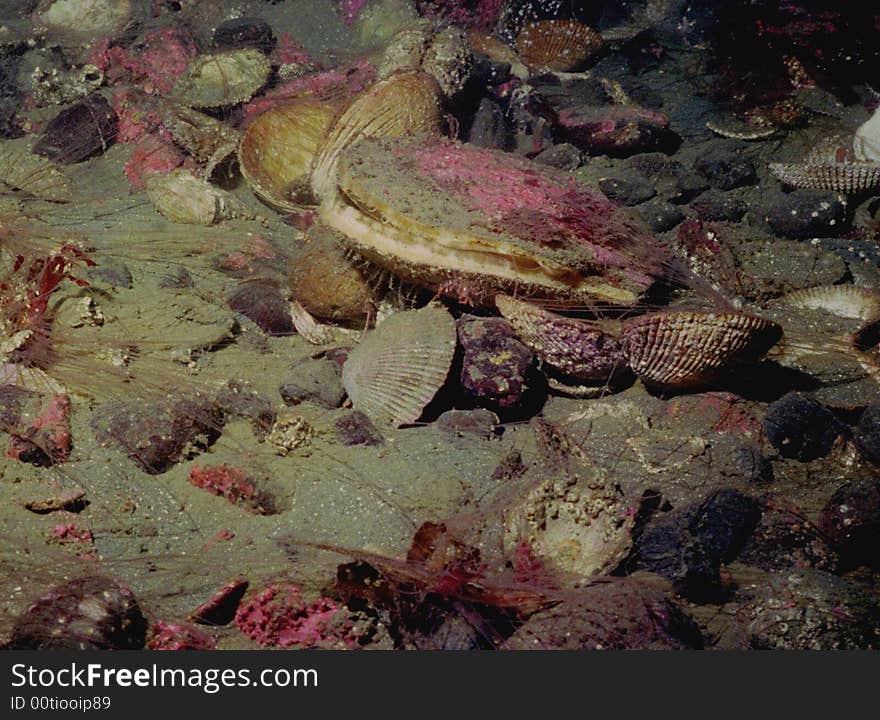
x,y
799,427
616,130
726,173
785,539
86,613
114,274
264,304
770,268
316,380
808,609
806,214
631,613
489,127
672,180
851,521
867,435
718,207
753,464
79,132
688,545
155,434
238,400
563,156
661,216
497,369
355,428
479,422
626,192
245,32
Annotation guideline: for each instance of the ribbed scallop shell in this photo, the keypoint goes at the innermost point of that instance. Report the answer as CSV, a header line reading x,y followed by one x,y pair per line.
x,y
226,78
571,346
278,149
399,367
557,45
405,104
686,348
847,301
841,177
731,127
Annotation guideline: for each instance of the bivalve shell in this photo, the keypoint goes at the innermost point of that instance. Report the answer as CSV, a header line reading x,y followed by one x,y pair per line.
x,y
278,149
399,367
557,45
848,178
574,347
404,104
226,78
680,349
183,198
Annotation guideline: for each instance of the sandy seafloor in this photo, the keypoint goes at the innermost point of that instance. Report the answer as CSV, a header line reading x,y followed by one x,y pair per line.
x,y
158,534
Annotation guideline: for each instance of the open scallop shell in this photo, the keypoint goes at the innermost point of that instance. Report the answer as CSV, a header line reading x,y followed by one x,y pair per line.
x,y
845,301
399,367
845,177
680,349
227,78
557,45
277,150
404,104
574,347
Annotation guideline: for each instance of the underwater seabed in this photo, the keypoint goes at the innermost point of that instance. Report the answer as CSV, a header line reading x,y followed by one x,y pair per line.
x,y
448,325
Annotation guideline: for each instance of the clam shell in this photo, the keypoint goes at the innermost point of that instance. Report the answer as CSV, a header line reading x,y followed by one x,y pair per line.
x,y
399,367
31,175
278,149
841,177
183,198
679,349
846,301
573,347
404,104
226,78
557,45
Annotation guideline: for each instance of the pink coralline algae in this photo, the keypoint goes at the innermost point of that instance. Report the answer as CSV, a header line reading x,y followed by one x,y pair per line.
x,y
523,199
228,482
153,155
153,65
280,617
179,636
289,52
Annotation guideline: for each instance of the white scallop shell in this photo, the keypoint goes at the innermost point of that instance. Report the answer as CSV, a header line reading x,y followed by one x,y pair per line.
x,y
399,367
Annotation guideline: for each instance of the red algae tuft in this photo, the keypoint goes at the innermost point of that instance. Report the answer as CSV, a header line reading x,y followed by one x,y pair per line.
x,y
280,617
231,483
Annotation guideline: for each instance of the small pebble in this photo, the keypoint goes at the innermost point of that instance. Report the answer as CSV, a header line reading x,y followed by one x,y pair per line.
x,y
851,521
726,173
661,216
315,380
355,428
626,192
799,427
806,214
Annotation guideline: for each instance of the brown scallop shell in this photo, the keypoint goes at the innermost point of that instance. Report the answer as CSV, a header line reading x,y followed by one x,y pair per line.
x,y
557,45
404,104
845,177
574,347
278,149
399,367
680,349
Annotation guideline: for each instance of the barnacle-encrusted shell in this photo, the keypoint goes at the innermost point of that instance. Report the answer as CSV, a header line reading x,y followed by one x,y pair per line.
x,y
222,79
574,347
404,104
846,177
183,198
557,45
399,367
405,51
570,513
31,175
687,348
449,60
277,150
